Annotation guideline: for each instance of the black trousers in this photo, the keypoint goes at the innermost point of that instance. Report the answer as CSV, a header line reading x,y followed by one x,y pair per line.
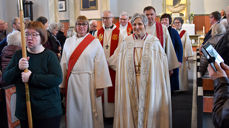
x,y
53,122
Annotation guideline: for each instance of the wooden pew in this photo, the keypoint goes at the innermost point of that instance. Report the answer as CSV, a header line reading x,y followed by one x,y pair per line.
x,y
8,98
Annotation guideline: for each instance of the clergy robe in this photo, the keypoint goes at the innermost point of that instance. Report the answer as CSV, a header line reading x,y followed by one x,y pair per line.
x,y
148,103
167,45
187,52
174,78
90,72
107,44
125,30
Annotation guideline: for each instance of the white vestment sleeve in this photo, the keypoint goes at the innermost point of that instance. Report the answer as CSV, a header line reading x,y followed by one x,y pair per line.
x,y
102,76
169,50
188,46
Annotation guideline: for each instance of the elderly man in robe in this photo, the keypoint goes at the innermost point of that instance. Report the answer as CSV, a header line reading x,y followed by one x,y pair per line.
x,y
187,53
110,38
142,95
161,32
124,25
86,74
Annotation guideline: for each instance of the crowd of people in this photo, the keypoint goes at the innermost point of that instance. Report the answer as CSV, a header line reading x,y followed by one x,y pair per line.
x,y
127,70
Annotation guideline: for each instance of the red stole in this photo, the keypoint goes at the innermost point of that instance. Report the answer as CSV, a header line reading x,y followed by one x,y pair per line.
x,y
113,46
76,54
128,29
182,33
159,31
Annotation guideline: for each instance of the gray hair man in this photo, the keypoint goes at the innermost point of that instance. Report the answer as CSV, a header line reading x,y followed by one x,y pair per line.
x,y
123,24
110,38
92,27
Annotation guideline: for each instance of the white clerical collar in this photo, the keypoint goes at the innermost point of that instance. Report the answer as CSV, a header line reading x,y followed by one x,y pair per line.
x,y
114,26
123,27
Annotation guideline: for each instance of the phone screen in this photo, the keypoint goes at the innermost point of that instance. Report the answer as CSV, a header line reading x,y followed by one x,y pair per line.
x,y
213,53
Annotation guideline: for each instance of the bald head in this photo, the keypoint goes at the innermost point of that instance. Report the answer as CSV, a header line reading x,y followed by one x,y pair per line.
x,y
16,24
93,25
227,14
107,18
1,25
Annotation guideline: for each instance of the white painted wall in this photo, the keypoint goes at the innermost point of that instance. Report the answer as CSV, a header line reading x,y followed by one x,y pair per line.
x,y
40,8
65,15
196,6
8,8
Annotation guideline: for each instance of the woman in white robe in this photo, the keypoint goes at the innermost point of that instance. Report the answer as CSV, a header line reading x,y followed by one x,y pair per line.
x,y
88,77
142,95
187,53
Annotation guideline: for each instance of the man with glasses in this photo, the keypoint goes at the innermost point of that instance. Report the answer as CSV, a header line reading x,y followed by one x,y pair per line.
x,y
214,18
110,38
124,25
92,27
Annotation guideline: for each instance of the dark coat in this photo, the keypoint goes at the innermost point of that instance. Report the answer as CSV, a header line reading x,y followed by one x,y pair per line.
x,y
7,54
222,47
61,37
53,44
220,113
175,37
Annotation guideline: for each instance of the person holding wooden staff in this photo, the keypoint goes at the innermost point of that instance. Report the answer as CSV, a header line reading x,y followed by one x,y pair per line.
x,y
43,76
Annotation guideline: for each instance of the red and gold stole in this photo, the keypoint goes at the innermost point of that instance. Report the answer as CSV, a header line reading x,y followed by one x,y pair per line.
x,y
114,39
76,54
114,45
128,29
159,32
182,33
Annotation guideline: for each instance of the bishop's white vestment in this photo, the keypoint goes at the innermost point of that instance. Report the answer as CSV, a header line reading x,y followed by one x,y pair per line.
x,y
90,72
142,100
187,52
167,45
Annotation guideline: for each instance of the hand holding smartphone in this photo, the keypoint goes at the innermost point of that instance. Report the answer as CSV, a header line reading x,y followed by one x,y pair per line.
x,y
211,54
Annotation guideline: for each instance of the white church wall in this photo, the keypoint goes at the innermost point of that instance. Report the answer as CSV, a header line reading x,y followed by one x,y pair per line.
x,y
196,6
8,10
65,14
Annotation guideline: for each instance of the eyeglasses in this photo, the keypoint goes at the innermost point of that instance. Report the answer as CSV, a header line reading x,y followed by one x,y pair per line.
x,y
32,34
106,18
123,19
177,22
81,24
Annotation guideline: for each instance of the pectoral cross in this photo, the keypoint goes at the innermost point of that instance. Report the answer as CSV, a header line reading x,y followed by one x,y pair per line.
x,y
138,69
107,46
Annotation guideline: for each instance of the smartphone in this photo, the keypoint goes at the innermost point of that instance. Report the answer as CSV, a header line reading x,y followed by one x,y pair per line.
x,y
212,55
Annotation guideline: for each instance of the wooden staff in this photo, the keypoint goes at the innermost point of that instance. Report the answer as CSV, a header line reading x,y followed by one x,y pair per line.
x,y
24,55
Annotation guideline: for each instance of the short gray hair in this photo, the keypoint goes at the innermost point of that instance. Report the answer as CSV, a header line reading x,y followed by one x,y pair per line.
x,y
52,26
124,14
14,21
141,16
60,26
107,11
91,21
